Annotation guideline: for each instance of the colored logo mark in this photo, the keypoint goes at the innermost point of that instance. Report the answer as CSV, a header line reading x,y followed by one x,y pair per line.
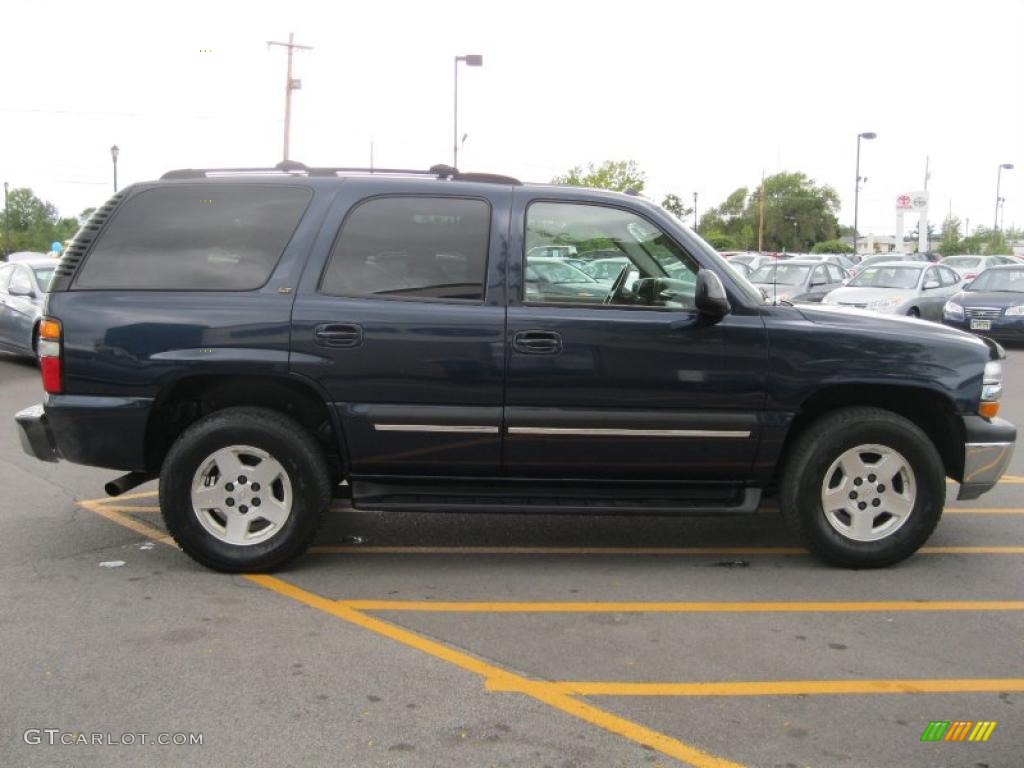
x,y
958,730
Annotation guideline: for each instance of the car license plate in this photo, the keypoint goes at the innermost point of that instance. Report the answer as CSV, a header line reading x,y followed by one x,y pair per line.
x,y
981,325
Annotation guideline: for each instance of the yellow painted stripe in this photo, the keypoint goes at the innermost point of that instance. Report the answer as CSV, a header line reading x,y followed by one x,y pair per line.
x,y
922,606
121,519
678,551
542,692
983,511
780,687
126,497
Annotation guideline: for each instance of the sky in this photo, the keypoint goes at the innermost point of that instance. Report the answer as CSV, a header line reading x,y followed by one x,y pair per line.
x,y
704,96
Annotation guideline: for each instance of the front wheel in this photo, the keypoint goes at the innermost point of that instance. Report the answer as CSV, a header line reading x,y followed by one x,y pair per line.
x,y
863,488
244,489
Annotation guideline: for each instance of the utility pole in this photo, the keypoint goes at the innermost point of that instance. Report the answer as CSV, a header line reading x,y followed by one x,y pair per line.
x,y
694,211
291,84
760,224
7,224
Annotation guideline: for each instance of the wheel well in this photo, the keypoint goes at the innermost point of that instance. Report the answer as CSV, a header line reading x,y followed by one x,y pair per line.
x,y
197,396
932,412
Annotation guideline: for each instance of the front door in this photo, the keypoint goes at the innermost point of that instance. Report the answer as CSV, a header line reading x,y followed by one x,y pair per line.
x,y
612,373
400,317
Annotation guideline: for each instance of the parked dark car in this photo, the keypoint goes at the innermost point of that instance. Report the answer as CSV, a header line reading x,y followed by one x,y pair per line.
x,y
992,304
23,285
317,325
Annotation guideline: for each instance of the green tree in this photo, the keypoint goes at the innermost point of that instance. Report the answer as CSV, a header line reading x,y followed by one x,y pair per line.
x,y
951,243
798,213
616,175
831,246
674,204
720,241
32,224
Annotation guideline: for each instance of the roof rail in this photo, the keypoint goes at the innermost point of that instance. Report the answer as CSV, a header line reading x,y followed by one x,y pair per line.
x,y
292,167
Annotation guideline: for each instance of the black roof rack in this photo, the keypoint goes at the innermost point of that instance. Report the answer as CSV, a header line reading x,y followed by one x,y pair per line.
x,y
300,169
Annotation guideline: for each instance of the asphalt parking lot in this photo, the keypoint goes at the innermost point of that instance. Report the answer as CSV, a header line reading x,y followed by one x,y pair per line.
x,y
463,640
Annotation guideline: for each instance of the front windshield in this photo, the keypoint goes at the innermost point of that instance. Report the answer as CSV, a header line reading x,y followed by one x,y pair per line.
x,y
557,273
43,276
887,277
605,270
962,261
1003,280
783,274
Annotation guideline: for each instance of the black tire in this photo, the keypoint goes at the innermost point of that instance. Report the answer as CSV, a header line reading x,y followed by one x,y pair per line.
x,y
292,446
821,444
914,312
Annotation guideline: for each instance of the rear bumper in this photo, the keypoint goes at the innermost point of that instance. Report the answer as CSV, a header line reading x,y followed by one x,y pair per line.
x,y
35,435
105,432
988,448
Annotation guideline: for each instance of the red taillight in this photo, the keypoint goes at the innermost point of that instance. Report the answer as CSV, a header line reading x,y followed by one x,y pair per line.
x,y
50,349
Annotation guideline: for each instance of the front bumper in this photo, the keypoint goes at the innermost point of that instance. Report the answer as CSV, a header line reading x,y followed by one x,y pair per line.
x,y
988,447
1003,328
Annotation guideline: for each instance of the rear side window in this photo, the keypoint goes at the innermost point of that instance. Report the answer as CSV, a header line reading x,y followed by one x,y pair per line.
x,y
213,237
411,247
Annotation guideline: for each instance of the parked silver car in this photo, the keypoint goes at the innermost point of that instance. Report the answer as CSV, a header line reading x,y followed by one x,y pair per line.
x,y
969,267
899,288
23,287
797,280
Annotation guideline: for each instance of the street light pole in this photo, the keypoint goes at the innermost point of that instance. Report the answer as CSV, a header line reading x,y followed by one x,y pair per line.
x,y
7,224
999,178
856,188
472,60
114,152
694,211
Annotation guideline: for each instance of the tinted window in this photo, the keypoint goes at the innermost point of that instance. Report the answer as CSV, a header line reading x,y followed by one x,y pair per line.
x,y
836,274
651,271
43,276
412,247
196,237
949,277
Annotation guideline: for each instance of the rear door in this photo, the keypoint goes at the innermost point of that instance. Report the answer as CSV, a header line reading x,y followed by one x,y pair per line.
x,y
633,385
400,319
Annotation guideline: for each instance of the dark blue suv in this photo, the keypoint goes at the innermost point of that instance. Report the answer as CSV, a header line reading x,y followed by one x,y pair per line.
x,y
258,338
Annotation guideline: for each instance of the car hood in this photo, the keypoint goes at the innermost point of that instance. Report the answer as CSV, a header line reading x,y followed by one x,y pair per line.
x,y
1001,299
880,324
867,294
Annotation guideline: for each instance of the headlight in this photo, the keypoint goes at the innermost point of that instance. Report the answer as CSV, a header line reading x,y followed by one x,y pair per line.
x,y
954,310
991,389
883,305
1015,311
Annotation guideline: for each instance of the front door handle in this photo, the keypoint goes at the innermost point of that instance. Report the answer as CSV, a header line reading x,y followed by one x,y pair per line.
x,y
338,335
537,342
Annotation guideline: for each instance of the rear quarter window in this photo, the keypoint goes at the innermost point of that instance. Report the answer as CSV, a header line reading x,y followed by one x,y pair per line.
x,y
192,237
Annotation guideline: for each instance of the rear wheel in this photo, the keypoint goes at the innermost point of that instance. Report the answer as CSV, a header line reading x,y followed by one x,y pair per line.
x,y
914,312
863,488
244,489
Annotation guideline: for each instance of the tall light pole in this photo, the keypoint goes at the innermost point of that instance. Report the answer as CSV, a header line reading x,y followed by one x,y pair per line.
x,y
856,189
472,60
694,211
999,178
290,84
7,224
114,152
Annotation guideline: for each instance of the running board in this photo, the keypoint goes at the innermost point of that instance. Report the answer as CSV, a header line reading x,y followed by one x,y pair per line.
x,y
552,497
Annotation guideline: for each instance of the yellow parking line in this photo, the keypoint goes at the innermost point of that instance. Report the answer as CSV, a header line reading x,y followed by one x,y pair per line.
x,y
777,687
677,551
911,606
983,511
121,519
497,676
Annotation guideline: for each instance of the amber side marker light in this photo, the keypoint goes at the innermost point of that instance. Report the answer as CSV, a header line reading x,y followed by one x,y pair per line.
x,y
50,349
991,389
988,410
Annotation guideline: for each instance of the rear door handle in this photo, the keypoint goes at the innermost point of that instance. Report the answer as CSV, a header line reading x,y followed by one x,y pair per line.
x,y
537,342
338,335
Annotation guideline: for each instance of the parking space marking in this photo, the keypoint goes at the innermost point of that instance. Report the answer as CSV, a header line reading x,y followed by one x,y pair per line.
x,y
98,507
902,606
779,687
676,551
494,675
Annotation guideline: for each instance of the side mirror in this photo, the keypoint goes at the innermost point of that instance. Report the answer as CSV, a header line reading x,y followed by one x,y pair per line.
x,y
929,284
816,283
19,291
711,298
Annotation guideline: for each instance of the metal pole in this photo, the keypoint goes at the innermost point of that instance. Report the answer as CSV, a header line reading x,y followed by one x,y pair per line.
x,y
999,178
455,122
7,224
856,199
694,211
288,96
